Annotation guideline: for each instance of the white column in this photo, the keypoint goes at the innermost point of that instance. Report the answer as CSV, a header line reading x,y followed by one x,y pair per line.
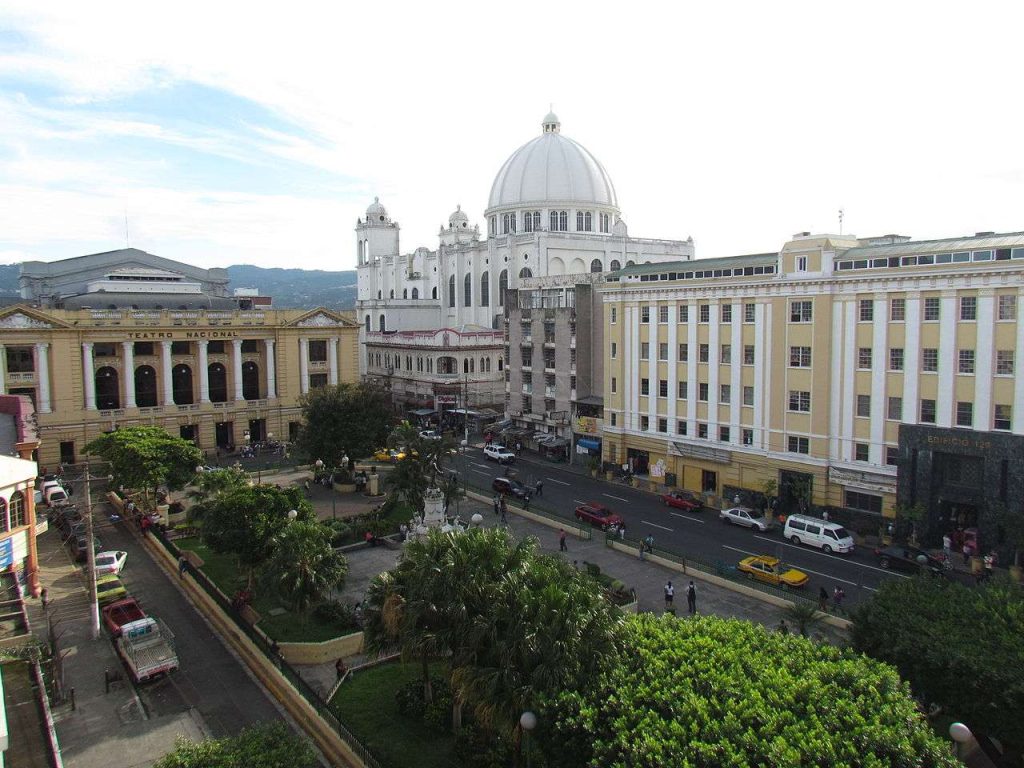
x,y
879,365
332,361
736,375
3,370
1018,381
912,361
128,373
88,377
691,372
204,372
304,365
984,367
165,365
271,369
714,367
43,366
948,360
846,429
236,362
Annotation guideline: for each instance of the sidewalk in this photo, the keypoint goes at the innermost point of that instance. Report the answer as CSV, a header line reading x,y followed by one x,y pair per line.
x,y
102,730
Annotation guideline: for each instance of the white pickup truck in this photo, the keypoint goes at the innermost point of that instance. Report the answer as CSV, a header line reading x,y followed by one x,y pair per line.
x,y
147,648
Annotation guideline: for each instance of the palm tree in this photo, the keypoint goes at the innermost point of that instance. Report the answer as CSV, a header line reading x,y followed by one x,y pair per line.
x,y
803,615
303,568
208,485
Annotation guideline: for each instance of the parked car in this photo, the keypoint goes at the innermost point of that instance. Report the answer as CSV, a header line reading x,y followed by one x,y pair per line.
x,y
388,454
825,535
744,516
597,514
430,434
909,559
80,548
686,500
110,562
121,612
499,453
770,570
512,487
109,588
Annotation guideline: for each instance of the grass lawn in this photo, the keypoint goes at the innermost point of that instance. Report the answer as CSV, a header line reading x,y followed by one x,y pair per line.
x,y
366,704
286,627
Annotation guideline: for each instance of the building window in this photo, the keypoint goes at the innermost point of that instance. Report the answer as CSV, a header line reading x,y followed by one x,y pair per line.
x,y
801,263
704,313
317,351
702,430
485,290
595,266
451,291
531,221
645,350
896,359
965,363
614,420
493,225
748,313
317,380
1007,307
931,309
865,502
864,358
146,347
645,314
725,394
684,352
604,219
723,434
559,221
867,310
861,452
964,413
796,444
748,354
525,272
927,411
800,357
968,307
898,310
615,316
895,411
929,360
800,402
645,423
684,390
663,314
615,350
1003,417
703,353
502,287
892,455
681,427
663,351
702,391
16,509
726,358
662,423
645,386
800,312
615,385
727,313
747,436
864,405
1004,362
467,291
684,313
748,395
662,387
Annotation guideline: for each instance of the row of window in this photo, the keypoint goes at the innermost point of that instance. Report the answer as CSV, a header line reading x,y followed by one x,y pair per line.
x,y
12,513
426,364
703,313
768,269
999,254
558,221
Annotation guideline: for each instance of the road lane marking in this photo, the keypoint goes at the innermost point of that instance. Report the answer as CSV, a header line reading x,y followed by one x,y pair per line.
x,y
655,525
577,501
687,517
560,482
823,554
801,568
617,498
474,464
479,471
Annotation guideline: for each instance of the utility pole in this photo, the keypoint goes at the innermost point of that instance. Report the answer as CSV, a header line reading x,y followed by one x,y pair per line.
x,y
465,413
90,543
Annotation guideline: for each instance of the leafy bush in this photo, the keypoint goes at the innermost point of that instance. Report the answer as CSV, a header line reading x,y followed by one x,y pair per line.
x,y
409,699
341,615
476,747
261,746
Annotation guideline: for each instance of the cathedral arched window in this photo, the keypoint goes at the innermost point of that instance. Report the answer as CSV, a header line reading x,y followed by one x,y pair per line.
x,y
379,295
579,221
367,323
465,366
605,222
501,363
502,286
588,222
595,265
383,325
405,293
485,290
415,293
392,293
494,225
451,291
467,291
433,292
615,266
553,223
525,272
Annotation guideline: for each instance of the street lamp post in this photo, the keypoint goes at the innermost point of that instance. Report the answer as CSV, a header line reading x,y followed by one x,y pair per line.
x,y
960,734
527,721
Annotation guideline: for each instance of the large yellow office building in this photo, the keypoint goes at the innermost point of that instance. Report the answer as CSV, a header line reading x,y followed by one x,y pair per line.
x,y
128,339
863,373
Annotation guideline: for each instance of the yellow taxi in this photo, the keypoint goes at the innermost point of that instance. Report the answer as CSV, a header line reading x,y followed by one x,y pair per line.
x,y
109,588
772,571
388,454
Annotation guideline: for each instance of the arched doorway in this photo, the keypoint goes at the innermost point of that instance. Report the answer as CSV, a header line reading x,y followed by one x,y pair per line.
x,y
218,376
145,386
108,395
181,384
250,380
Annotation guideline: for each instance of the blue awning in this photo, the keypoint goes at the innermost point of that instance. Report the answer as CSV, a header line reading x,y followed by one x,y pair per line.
x,y
589,443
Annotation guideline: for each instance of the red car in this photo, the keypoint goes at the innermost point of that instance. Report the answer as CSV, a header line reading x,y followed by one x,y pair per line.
x,y
682,500
598,514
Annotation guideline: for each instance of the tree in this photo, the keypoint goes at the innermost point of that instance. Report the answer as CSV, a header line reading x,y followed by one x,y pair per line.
x,y
302,567
146,457
351,419
804,616
208,485
910,515
271,745
245,521
422,467
959,647
712,692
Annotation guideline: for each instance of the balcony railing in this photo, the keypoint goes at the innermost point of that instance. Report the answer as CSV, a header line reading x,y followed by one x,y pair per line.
x,y
526,340
527,389
27,376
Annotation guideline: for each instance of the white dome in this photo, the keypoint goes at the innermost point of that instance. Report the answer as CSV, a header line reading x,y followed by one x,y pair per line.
x,y
458,218
552,168
375,210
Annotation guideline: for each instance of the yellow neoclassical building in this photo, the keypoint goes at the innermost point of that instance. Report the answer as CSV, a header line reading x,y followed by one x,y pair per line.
x,y
868,372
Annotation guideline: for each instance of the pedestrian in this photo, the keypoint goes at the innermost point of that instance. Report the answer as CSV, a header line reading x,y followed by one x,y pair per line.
x,y
649,542
182,566
837,598
990,563
275,649
504,513
967,552
45,597
622,531
519,447
670,592
144,524
526,503
561,541
691,598
783,627
824,515
497,504
641,548
540,487
823,600
947,546
340,668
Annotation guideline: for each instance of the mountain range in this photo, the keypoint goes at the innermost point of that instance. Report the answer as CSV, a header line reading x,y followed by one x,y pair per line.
x,y
290,288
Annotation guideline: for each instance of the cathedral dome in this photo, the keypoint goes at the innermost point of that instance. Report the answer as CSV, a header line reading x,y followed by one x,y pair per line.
x,y
458,219
552,168
376,211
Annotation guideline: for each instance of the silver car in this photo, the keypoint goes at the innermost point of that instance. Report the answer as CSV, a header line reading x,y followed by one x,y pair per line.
x,y
744,516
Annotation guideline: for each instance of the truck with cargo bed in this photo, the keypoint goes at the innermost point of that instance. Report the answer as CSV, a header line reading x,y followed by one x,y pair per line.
x,y
147,648
122,612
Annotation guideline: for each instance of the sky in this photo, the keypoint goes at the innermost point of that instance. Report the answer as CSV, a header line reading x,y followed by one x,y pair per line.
x,y
226,133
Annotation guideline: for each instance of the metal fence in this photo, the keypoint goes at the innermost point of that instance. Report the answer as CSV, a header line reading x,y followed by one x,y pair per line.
x,y
268,649
562,519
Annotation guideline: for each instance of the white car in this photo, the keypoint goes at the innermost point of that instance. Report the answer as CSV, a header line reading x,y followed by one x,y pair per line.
x,y
499,453
744,516
110,562
430,434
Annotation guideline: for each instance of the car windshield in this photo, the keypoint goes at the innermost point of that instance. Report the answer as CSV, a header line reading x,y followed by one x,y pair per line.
x,y
841,533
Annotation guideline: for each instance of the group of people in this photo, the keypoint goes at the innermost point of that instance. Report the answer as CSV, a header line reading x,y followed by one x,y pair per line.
x,y
691,597
838,596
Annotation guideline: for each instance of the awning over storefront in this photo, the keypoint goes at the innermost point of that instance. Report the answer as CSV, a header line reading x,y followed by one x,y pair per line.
x,y
423,412
589,443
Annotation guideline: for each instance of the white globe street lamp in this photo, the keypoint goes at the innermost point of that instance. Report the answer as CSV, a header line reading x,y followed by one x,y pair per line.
x,y
477,519
292,514
960,734
527,721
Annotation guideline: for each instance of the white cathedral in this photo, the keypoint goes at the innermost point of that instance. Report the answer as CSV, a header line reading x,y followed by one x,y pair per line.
x,y
432,327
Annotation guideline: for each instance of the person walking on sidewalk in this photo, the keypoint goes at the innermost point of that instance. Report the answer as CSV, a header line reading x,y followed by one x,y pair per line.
x,y
649,543
823,600
641,548
670,593
561,541
691,598
497,505
540,487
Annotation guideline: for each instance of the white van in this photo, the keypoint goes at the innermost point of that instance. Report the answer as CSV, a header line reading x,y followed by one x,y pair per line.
x,y
828,537
55,496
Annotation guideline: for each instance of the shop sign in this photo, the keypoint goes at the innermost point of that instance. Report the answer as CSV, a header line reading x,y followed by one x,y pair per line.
x,y
6,553
869,481
704,452
588,425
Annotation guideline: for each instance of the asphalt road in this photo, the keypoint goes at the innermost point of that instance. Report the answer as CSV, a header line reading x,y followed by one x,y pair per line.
x,y
209,678
699,535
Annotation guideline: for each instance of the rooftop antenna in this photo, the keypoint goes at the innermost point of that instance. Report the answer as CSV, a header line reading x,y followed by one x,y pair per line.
x,y
127,244
840,221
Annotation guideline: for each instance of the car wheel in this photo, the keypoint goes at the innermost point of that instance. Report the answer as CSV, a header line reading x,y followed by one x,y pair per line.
x,y
724,520
750,576
827,549
884,562
795,539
